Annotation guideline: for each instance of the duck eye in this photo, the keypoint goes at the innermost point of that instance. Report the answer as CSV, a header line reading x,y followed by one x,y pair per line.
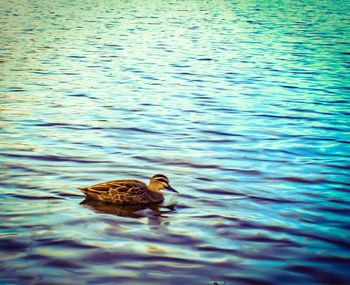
x,y
162,180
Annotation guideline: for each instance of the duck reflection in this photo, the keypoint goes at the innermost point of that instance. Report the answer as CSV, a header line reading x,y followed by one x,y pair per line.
x,y
152,211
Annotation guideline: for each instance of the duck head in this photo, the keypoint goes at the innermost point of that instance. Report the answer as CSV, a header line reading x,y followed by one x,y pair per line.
x,y
159,182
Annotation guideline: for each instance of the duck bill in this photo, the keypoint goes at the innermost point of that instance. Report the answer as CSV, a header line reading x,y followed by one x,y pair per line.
x,y
171,189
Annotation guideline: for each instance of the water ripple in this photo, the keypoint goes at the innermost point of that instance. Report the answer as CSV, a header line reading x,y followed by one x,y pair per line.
x,y
244,106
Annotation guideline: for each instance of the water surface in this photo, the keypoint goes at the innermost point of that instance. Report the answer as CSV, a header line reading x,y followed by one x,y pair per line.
x,y
244,105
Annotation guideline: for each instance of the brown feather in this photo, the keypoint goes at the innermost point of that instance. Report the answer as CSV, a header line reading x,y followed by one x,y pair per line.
x,y
125,191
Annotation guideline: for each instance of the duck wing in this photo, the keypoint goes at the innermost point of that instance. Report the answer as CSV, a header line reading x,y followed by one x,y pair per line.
x,y
117,191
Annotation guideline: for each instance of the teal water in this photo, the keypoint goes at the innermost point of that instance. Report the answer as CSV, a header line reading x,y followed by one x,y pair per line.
x,y
244,105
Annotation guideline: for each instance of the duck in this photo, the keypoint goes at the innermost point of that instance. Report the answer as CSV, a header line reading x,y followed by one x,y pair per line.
x,y
129,191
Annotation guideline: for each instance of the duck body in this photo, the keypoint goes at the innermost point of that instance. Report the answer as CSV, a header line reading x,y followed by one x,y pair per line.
x,y
129,191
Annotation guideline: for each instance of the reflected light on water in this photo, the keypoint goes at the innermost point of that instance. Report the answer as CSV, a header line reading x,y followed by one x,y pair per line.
x,y
242,104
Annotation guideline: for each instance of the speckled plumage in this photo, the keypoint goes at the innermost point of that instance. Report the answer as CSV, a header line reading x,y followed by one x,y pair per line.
x,y
128,191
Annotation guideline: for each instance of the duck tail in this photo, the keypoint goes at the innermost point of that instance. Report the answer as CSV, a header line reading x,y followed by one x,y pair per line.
x,y
83,189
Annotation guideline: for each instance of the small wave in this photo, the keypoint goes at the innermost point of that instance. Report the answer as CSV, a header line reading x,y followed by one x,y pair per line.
x,y
323,276
334,210
10,244
51,158
62,263
128,130
65,243
16,89
68,195
27,197
199,165
285,117
220,133
76,56
64,125
205,59
265,239
211,248
220,192
273,200
301,180
337,166
294,232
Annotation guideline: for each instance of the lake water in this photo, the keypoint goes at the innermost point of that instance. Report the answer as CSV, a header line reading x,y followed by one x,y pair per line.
x,y
244,105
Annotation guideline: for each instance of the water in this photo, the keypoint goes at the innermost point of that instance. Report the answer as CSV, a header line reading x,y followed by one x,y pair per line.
x,y
244,105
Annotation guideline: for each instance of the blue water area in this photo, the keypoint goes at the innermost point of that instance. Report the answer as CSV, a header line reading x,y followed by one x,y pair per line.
x,y
243,104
